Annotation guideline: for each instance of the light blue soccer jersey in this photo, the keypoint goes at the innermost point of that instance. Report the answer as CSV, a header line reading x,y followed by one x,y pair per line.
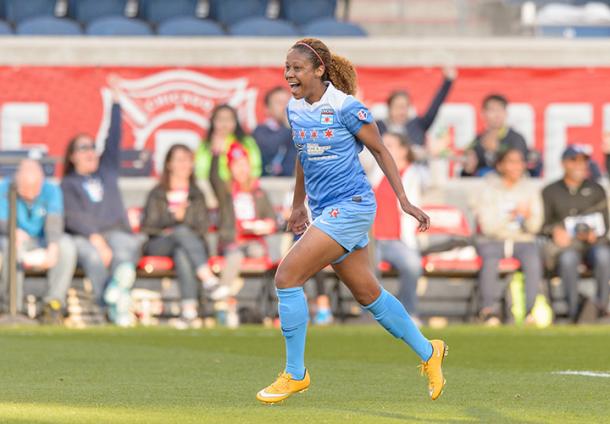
x,y
324,136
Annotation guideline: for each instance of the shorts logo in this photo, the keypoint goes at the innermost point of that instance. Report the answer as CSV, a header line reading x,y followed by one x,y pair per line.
x,y
327,117
334,212
362,115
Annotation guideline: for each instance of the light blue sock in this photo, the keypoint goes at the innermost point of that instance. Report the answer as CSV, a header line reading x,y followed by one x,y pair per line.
x,y
294,315
392,316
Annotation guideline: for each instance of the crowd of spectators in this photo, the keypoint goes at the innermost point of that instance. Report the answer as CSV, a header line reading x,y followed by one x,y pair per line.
x,y
561,230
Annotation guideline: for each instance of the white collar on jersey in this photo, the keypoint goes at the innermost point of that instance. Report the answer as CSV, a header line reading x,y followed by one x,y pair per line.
x,y
329,88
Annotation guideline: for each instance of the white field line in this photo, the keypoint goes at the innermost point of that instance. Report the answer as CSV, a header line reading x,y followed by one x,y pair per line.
x,y
583,373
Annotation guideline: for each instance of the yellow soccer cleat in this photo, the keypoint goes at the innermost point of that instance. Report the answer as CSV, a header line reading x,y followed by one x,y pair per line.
x,y
433,368
283,388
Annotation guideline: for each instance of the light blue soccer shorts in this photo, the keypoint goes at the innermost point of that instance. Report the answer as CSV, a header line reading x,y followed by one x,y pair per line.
x,y
348,223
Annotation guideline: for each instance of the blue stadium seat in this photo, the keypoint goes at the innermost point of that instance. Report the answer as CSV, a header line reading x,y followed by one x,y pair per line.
x,y
187,26
86,11
229,12
48,25
18,10
304,11
263,27
118,26
161,10
5,28
329,27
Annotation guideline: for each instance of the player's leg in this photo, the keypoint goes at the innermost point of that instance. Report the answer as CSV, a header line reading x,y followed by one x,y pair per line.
x,y
309,255
356,273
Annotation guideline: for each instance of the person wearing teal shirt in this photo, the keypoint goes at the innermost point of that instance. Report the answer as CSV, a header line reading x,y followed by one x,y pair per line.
x,y
41,242
224,131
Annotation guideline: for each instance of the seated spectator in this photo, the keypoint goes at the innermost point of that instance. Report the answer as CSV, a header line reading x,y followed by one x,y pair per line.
x,y
497,136
394,230
176,219
246,214
224,131
576,222
399,104
95,216
40,239
274,137
508,209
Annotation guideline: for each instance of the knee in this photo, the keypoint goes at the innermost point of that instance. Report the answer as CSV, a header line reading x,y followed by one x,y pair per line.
x,y
286,278
67,247
366,295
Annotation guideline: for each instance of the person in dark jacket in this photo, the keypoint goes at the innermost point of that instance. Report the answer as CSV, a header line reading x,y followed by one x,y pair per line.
x,y
246,214
95,216
497,136
274,137
415,129
176,219
576,222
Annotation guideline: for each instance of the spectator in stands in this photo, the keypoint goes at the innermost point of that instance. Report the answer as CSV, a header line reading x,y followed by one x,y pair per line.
x,y
95,216
176,219
399,104
497,136
274,137
508,209
224,131
394,231
40,240
576,222
246,214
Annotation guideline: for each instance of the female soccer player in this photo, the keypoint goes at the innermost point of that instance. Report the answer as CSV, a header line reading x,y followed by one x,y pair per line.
x,y
329,128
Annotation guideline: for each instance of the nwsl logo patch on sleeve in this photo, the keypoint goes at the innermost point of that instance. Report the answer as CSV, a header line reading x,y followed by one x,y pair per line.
x,y
362,115
327,117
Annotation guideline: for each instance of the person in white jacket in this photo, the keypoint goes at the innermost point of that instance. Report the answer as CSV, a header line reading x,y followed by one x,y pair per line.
x,y
394,231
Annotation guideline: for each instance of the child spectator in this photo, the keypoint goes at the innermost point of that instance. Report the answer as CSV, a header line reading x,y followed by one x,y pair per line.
x,y
274,137
176,219
395,231
40,239
508,209
576,222
95,216
246,214
224,131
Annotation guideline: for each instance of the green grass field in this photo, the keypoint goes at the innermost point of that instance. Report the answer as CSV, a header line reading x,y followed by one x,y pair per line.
x,y
359,374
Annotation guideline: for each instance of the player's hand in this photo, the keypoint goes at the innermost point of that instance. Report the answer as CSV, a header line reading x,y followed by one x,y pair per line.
x,y
298,221
417,213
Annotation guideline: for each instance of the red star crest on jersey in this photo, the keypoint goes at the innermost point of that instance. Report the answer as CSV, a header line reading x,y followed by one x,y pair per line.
x,y
334,212
329,133
302,134
314,134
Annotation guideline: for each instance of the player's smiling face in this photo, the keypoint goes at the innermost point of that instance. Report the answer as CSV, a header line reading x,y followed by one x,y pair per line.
x,y
304,80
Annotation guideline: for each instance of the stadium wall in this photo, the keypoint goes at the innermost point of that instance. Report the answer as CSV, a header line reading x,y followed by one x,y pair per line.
x,y
53,88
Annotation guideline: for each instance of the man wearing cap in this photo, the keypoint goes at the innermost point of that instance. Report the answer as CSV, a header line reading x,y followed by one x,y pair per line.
x,y
576,221
41,242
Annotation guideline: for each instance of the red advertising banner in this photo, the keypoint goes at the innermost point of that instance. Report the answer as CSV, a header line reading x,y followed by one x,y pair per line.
x,y
49,105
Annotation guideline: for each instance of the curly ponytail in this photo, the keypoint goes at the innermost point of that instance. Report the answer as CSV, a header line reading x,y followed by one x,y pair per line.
x,y
342,74
337,69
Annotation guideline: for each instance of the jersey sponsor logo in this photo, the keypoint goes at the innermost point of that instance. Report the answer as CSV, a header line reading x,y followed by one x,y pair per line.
x,y
334,212
327,116
362,114
314,149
